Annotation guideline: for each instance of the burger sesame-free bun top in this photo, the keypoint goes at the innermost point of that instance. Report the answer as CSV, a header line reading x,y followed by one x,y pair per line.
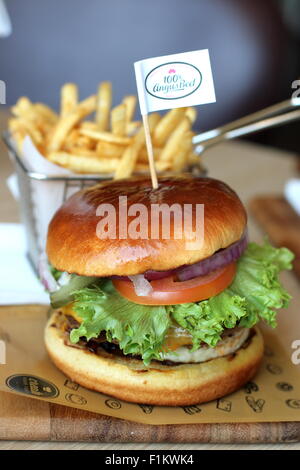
x,y
73,244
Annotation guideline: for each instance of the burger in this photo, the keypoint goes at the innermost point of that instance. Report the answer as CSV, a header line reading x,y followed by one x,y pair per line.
x,y
159,319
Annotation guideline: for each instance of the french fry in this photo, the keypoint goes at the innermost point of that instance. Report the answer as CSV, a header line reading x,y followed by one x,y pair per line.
x,y
191,113
162,166
68,99
88,125
65,124
86,142
109,150
132,127
13,124
91,147
86,107
130,155
24,109
142,167
194,158
29,128
173,142
106,136
83,163
47,113
130,103
127,162
82,151
24,102
39,118
143,155
104,99
180,157
62,129
118,120
33,120
167,125
71,139
22,105
75,140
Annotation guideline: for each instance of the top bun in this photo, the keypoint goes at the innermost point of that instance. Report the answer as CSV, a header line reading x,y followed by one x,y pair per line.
x,y
73,244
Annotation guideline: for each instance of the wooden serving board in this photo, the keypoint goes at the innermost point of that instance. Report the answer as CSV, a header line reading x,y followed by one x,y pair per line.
x,y
279,220
23,418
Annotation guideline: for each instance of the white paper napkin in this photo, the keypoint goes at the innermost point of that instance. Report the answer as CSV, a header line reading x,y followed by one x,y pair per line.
x,y
19,284
292,193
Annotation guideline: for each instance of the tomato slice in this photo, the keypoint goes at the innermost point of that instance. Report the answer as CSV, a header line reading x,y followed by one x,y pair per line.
x,y
169,291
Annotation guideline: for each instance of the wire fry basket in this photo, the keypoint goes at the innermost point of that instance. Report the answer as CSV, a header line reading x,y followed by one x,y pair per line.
x,y
40,195
36,213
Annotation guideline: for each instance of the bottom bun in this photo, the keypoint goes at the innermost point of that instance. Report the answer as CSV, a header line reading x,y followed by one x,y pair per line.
x,y
178,385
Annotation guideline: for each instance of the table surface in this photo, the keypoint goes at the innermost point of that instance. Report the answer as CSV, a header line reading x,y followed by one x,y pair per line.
x,y
250,170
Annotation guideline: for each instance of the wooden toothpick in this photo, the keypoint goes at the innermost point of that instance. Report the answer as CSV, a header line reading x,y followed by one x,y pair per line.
x,y
150,151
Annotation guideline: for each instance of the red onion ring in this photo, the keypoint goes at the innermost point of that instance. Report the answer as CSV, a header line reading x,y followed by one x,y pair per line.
x,y
155,275
149,275
218,260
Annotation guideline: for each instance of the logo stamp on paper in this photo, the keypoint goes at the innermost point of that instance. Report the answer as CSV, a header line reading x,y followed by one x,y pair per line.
x,y
251,387
71,385
147,409
274,369
224,405
293,403
76,399
284,386
191,410
256,405
173,80
32,385
113,404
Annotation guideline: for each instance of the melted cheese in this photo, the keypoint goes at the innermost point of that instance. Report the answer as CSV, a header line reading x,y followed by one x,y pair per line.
x,y
68,310
175,338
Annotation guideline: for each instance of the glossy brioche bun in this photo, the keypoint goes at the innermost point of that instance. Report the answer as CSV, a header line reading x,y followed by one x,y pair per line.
x,y
185,384
73,245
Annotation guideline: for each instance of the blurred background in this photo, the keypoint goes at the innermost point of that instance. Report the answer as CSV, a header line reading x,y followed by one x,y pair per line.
x,y
254,48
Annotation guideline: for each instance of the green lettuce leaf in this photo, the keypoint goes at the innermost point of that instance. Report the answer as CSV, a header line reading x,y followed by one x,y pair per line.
x,y
55,272
255,294
206,320
139,329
